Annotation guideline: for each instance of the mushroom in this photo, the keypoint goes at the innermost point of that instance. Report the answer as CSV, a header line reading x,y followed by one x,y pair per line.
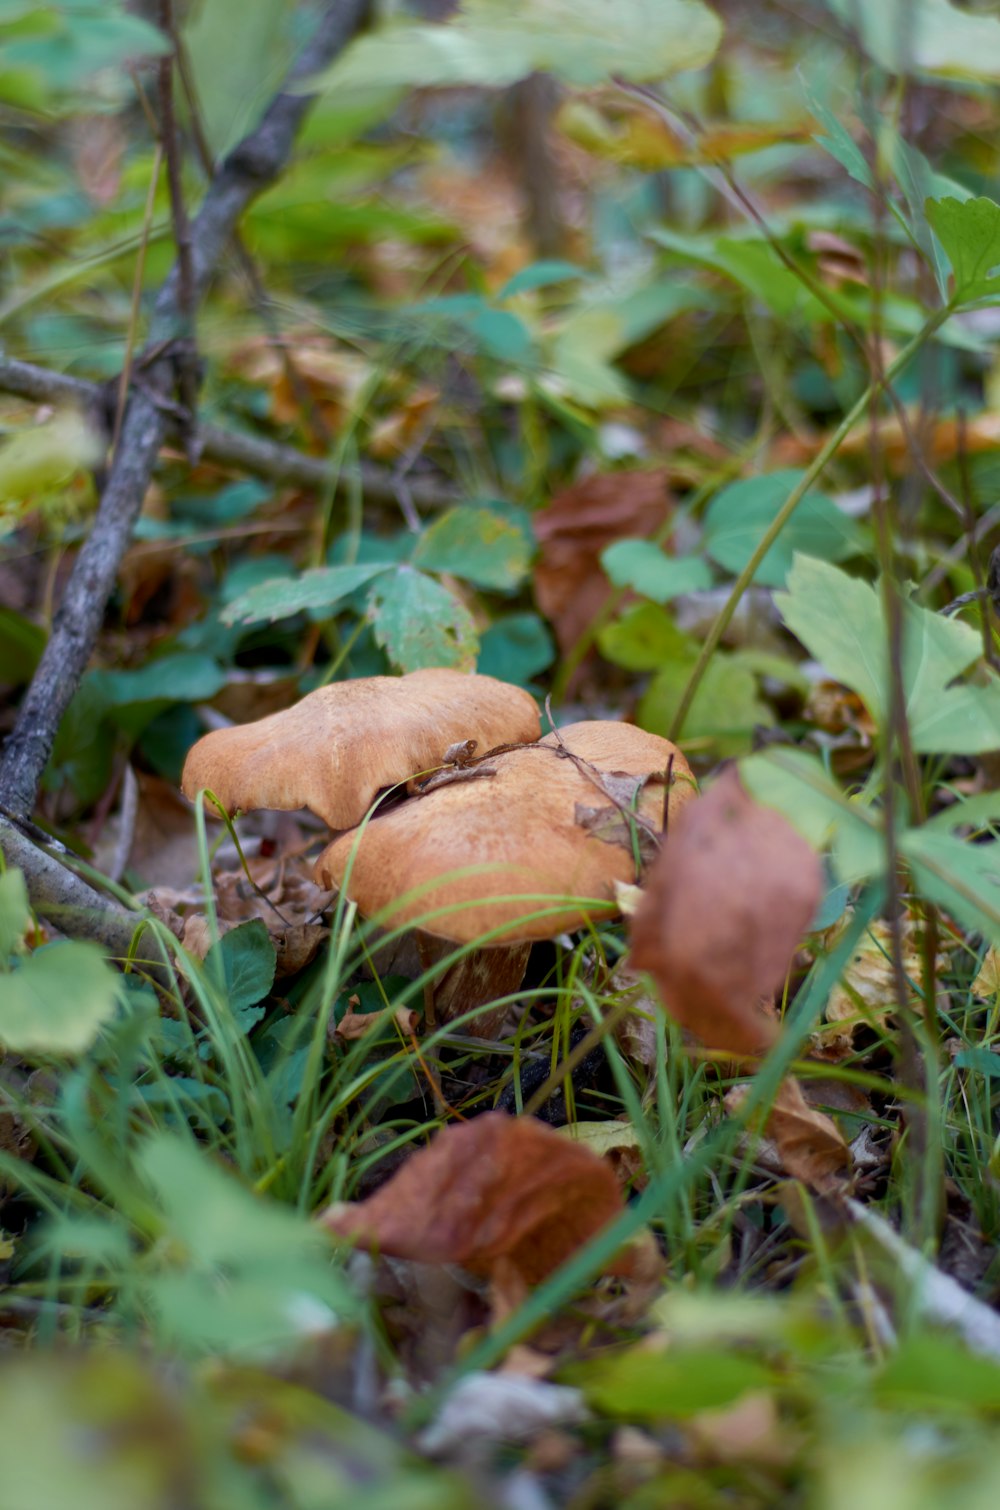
x,y
337,748
523,845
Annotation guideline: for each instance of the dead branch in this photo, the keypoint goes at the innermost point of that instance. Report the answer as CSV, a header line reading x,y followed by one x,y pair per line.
x,y
254,164
227,448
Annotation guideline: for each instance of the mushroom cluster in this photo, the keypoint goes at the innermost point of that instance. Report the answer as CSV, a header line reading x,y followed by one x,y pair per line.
x,y
521,842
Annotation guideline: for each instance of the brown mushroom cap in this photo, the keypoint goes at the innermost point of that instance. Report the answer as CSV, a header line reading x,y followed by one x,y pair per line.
x,y
540,827
333,751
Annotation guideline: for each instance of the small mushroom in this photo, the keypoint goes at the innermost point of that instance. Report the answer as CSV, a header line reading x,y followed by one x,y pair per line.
x,y
528,845
337,748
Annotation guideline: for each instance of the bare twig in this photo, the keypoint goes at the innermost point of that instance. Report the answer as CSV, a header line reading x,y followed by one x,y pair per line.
x,y
186,357
63,898
254,164
244,453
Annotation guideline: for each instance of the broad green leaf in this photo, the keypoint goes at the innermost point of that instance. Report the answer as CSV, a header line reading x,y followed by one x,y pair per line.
x,y
238,57
322,588
649,571
15,914
938,1372
540,275
841,622
962,878
645,638
516,648
420,623
936,37
186,677
242,964
477,544
57,1000
726,709
739,515
650,1385
969,231
21,646
36,460
496,42
751,263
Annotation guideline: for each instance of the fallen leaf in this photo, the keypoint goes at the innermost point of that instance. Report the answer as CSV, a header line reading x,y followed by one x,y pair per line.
x,y
797,1139
510,1199
484,1409
618,1142
727,901
866,991
987,981
809,1144
572,531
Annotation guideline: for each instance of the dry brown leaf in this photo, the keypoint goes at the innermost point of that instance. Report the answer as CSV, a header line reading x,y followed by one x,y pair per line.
x,y
808,1141
573,530
940,442
510,1199
866,991
987,981
355,1025
727,901
797,1138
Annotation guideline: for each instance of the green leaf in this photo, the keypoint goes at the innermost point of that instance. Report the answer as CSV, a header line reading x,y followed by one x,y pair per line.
x,y
322,588
933,1372
21,646
679,1382
797,785
493,43
938,37
516,648
57,1000
36,460
645,638
187,677
841,622
726,709
969,231
419,623
649,571
238,56
242,963
540,275
477,544
741,513
15,914
962,878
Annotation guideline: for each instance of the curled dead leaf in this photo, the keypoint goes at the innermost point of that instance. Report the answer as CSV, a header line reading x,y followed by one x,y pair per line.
x,y
509,1199
726,903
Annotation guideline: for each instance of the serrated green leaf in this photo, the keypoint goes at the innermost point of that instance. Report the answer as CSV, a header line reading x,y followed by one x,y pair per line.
x,y
797,785
493,43
477,544
242,963
649,571
841,622
739,515
419,623
57,1000
322,588
15,914
969,231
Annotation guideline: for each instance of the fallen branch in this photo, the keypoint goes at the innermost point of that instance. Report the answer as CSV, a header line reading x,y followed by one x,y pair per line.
x,y
254,164
64,899
227,448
